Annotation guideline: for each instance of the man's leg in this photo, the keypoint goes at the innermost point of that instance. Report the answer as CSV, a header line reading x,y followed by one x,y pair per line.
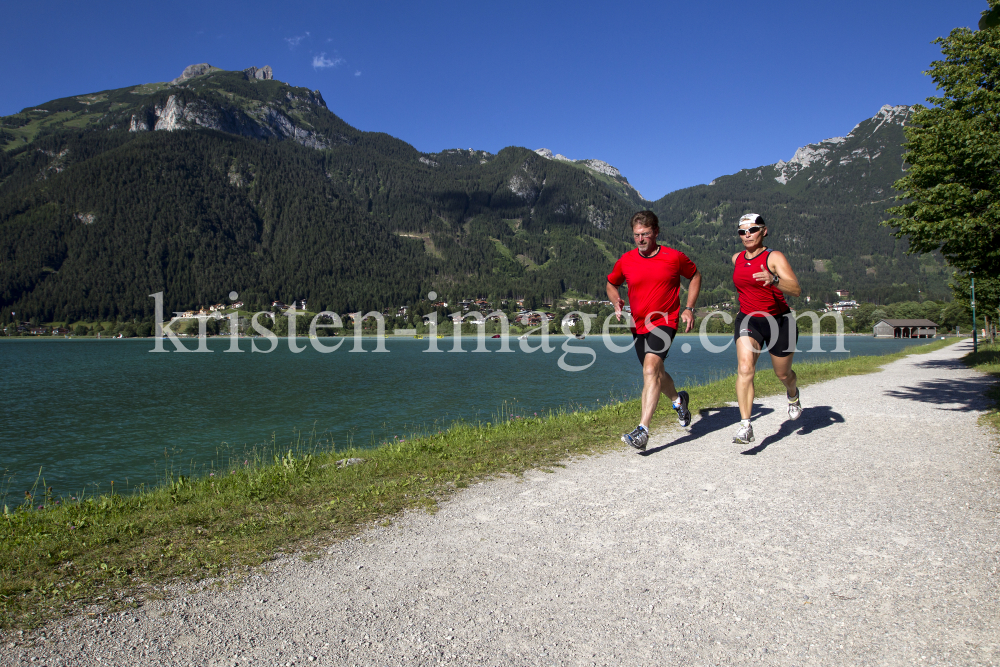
x,y
654,382
667,386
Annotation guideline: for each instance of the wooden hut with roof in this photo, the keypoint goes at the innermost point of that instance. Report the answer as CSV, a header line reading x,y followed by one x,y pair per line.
x,y
904,329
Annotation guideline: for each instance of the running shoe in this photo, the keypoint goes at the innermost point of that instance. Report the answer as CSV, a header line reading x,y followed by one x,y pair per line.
x,y
683,414
637,438
744,436
794,407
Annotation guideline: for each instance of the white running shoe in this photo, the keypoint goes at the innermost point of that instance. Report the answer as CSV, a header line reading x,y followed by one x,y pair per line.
x,y
744,435
794,407
637,438
683,414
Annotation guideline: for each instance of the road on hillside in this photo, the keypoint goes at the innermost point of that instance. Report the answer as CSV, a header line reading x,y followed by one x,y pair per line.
x,y
865,533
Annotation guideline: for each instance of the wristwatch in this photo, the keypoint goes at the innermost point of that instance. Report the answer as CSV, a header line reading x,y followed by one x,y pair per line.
x,y
689,308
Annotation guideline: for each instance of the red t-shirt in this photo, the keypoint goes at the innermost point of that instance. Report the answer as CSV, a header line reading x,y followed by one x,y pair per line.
x,y
754,296
653,285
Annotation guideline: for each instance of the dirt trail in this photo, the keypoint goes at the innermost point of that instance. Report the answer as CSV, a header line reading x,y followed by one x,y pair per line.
x,y
864,533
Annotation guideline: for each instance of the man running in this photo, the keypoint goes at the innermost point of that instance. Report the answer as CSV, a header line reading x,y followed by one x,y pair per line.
x,y
653,274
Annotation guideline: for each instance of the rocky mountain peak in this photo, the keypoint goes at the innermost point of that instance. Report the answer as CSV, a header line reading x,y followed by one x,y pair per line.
x,y
835,150
262,74
600,166
192,71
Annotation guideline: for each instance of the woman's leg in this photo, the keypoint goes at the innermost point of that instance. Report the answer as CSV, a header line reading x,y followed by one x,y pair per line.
x,y
783,369
747,352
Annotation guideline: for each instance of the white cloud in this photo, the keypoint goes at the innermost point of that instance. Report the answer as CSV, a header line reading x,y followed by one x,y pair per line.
x,y
357,73
322,62
295,41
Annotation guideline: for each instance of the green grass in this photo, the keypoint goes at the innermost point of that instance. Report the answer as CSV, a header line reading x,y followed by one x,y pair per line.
x,y
504,250
58,554
987,360
604,249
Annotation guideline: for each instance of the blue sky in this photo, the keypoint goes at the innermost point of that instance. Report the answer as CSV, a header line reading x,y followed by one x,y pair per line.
x,y
672,93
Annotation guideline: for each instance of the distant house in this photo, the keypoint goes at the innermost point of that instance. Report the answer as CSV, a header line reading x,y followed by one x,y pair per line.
x,y
904,329
843,294
841,306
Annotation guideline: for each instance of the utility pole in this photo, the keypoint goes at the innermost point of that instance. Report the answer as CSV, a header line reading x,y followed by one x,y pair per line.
x,y
975,331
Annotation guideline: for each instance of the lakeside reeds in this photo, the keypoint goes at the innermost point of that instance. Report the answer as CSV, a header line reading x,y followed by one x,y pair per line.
x,y
58,555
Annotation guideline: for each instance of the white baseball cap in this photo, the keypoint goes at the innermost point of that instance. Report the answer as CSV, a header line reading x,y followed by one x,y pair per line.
x,y
751,219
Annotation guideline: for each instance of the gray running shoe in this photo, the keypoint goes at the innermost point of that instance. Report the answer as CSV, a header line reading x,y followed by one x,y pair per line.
x,y
744,436
683,414
794,407
637,438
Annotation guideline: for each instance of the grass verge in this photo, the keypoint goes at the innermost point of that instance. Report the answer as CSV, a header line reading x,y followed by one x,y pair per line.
x,y
987,360
59,555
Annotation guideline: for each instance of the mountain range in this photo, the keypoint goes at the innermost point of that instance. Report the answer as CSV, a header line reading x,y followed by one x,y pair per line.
x,y
223,181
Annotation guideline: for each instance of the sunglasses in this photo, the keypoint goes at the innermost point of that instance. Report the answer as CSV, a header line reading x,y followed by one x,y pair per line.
x,y
748,230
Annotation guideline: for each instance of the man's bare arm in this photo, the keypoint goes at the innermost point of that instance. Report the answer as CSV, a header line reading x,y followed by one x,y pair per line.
x,y
694,287
615,297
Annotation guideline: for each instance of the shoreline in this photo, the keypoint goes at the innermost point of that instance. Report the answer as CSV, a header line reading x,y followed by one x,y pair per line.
x,y
299,483
658,557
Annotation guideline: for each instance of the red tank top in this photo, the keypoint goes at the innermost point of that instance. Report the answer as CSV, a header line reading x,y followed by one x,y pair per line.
x,y
754,296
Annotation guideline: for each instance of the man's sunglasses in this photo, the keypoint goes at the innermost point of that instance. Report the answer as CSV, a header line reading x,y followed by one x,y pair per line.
x,y
748,230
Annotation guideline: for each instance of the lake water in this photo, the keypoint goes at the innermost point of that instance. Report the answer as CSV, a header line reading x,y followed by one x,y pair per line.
x,y
87,412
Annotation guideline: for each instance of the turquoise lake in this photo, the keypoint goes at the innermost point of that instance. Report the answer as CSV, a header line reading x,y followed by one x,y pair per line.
x,y
87,412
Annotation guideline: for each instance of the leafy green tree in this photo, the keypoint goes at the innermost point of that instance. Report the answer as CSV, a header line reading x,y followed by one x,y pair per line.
x,y
956,314
931,310
908,310
987,298
951,191
280,327
861,318
80,330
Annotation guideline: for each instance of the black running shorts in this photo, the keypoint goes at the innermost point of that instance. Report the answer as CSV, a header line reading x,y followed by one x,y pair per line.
x,y
657,342
779,339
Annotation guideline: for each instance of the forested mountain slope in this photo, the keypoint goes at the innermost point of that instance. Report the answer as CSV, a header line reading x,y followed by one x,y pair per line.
x,y
823,209
233,181
225,182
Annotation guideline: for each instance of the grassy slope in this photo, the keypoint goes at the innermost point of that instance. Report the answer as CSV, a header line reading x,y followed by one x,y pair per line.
x,y
112,549
987,360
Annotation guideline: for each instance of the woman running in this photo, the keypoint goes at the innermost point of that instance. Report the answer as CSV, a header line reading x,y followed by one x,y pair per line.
x,y
761,276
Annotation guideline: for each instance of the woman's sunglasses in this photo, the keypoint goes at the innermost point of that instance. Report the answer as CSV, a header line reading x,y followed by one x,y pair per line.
x,y
748,230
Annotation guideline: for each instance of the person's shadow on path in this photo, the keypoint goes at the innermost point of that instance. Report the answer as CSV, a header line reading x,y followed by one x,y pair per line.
x,y
711,419
716,419
813,418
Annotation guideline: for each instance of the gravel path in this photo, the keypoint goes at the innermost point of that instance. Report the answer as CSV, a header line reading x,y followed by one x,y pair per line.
x,y
864,534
